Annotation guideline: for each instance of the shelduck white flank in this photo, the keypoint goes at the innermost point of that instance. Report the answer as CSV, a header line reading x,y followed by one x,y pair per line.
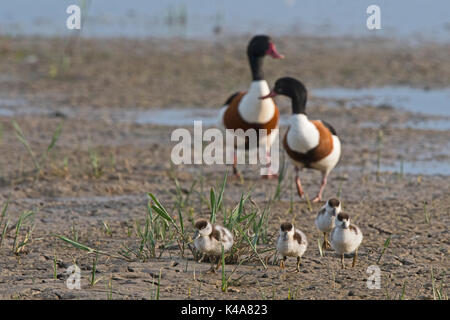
x,y
210,238
309,143
244,109
346,237
291,243
325,219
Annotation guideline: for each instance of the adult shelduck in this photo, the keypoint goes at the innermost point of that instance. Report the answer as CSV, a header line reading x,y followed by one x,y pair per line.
x,y
309,143
244,110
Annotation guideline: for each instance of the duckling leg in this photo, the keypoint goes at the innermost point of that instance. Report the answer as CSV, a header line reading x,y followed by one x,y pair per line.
x,y
219,261
322,187
299,260
212,269
354,258
298,183
342,261
326,244
282,263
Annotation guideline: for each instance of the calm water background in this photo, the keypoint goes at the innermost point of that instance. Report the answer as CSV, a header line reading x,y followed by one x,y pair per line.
x,y
406,19
410,20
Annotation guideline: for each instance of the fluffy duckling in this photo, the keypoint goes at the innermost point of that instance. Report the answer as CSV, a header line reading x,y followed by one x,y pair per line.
x,y
309,143
209,239
244,110
325,219
291,243
346,237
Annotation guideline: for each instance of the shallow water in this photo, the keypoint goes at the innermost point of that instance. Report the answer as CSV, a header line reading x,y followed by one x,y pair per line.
x,y
441,124
406,19
430,167
435,102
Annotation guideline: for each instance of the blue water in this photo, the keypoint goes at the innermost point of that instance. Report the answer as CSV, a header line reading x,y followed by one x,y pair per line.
x,y
435,102
405,19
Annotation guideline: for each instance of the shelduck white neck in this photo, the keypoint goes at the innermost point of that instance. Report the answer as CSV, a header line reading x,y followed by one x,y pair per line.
x,y
303,134
253,109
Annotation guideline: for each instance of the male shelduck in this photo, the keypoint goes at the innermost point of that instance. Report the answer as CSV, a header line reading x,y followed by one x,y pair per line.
x,y
309,143
325,219
346,237
210,238
244,110
291,243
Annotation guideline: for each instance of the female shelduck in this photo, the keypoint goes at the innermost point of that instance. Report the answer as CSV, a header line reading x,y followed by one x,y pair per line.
x,y
244,110
325,219
291,243
346,237
210,238
309,143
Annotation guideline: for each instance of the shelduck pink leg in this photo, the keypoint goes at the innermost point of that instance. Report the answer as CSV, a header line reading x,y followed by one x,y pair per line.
x,y
298,183
322,187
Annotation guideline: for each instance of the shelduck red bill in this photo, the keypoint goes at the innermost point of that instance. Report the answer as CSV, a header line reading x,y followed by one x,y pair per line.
x,y
272,51
270,95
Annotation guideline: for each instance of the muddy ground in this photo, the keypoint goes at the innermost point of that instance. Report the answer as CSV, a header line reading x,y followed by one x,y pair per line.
x,y
73,197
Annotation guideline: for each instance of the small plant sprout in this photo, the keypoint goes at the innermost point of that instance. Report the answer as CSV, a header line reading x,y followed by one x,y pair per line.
x,y
92,280
24,219
55,266
224,278
97,170
426,213
109,288
215,204
385,246
308,202
319,244
107,229
38,163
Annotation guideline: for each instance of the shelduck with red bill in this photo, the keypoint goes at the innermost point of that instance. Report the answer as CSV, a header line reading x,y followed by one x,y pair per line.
x,y
244,110
309,143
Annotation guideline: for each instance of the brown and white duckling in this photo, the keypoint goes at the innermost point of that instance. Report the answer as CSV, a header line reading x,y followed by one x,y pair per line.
x,y
291,243
209,239
309,143
244,110
325,219
345,237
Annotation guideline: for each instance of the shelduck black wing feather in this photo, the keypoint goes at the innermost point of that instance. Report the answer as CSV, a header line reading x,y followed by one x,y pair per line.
x,y
332,130
231,98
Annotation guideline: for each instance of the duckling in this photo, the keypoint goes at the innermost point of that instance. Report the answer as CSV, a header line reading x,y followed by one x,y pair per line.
x,y
209,239
346,238
309,143
244,110
291,243
325,219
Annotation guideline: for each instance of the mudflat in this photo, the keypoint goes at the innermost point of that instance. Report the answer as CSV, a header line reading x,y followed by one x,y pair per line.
x,y
92,186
